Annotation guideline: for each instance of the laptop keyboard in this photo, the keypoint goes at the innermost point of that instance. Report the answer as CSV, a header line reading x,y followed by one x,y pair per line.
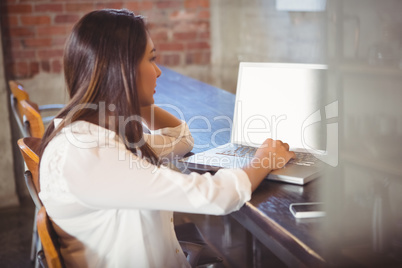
x,y
302,159
241,151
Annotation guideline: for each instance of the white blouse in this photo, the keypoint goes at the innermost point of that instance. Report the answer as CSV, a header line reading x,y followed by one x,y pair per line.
x,y
112,208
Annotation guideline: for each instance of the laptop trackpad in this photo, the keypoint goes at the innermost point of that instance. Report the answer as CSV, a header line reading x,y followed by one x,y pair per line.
x,y
300,174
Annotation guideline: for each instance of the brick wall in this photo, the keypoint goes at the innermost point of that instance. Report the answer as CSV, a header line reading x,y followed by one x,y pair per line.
x,y
34,32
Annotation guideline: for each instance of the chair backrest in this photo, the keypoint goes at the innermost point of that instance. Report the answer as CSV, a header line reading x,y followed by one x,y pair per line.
x,y
29,148
32,119
49,240
18,91
18,94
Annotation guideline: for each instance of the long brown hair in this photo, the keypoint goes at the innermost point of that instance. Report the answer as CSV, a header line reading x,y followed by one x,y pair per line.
x,y
101,61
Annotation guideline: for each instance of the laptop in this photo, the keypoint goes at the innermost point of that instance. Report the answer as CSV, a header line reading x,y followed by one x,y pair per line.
x,y
273,100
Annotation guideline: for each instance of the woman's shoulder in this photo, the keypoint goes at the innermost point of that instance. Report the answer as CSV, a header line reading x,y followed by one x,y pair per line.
x,y
86,135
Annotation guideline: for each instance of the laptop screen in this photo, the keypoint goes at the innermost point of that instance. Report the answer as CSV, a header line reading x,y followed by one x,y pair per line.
x,y
279,101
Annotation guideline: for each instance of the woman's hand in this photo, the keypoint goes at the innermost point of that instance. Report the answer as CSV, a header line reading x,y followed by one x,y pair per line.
x,y
272,154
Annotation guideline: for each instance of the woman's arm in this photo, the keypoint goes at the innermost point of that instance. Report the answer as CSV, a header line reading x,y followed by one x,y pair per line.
x,y
169,142
157,118
170,136
114,178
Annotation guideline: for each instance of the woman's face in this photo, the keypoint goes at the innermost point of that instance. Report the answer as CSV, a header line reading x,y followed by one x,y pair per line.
x,y
148,72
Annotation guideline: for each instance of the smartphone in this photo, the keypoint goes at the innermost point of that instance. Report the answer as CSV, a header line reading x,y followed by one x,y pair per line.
x,y
307,210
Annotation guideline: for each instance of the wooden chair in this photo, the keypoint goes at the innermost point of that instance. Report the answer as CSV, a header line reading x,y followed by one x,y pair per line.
x,y
36,245
32,189
49,238
30,123
48,254
15,97
29,150
19,94
32,120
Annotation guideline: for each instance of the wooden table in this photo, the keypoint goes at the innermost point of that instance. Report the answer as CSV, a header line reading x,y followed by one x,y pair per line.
x,y
209,112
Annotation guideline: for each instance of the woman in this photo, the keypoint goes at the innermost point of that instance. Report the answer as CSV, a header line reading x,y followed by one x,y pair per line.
x,y
101,180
